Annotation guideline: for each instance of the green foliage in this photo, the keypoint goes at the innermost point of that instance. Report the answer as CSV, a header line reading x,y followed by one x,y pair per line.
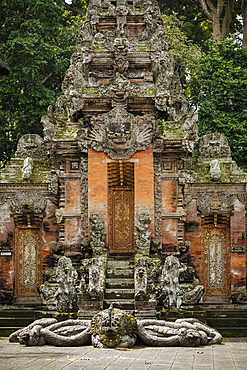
x,y
37,39
194,22
219,91
187,55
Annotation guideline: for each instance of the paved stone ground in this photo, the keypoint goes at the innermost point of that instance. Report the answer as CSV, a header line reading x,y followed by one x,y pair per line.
x,y
231,355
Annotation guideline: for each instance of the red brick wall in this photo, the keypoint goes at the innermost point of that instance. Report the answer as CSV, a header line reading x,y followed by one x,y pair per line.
x,y
169,196
49,234
97,184
144,183
238,260
73,195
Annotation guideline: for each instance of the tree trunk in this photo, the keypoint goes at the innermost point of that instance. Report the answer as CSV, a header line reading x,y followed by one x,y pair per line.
x,y
214,14
227,18
244,15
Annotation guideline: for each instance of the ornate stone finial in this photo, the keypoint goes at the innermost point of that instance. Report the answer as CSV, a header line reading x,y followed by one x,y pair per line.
x,y
214,146
31,145
27,168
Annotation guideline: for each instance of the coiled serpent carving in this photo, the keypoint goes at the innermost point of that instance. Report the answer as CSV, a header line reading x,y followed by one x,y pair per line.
x,y
116,328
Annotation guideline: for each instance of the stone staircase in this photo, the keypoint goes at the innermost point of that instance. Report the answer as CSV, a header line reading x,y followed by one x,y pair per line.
x,y
120,289
16,318
12,172
230,321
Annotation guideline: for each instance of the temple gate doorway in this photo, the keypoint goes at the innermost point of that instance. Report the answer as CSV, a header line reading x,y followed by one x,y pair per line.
x,y
121,208
28,258
216,241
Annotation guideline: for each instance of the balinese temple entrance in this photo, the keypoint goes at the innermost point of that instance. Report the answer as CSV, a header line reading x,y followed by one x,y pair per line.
x,y
111,195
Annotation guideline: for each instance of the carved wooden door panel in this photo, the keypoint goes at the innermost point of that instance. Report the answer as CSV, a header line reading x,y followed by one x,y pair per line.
x,y
121,207
121,221
216,242
28,263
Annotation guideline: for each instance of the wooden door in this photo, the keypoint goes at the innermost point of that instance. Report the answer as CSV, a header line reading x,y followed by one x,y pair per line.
x,y
121,208
28,263
216,243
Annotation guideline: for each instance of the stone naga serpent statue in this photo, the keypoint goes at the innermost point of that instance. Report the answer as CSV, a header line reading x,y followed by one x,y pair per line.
x,y
116,328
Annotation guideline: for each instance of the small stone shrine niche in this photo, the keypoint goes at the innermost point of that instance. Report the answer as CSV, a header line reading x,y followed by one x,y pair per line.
x,y
112,185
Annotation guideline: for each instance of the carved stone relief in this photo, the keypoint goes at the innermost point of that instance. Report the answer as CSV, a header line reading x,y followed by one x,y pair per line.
x,y
84,200
215,171
187,177
31,145
66,276
170,292
27,202
214,146
215,202
158,197
119,134
141,279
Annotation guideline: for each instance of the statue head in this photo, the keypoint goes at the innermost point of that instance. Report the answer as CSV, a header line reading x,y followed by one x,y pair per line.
x,y
171,263
111,327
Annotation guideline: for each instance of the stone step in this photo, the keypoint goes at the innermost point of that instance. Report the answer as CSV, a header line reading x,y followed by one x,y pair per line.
x,y
115,264
233,332
233,322
119,283
7,330
123,304
15,321
226,313
20,313
119,294
120,273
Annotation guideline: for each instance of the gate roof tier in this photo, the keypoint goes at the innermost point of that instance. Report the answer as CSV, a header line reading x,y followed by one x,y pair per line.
x,y
121,70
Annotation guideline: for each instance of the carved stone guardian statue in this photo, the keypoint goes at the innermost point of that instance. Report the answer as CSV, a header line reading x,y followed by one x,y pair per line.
x,y
98,235
66,277
143,234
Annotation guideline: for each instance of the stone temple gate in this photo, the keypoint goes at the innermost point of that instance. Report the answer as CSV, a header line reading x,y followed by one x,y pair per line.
x,y
112,185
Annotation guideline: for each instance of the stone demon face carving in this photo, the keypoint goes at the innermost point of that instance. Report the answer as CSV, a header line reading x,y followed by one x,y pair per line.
x,y
119,134
118,126
113,327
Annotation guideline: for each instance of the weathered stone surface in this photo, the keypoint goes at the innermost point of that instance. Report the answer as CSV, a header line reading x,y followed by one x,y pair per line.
x,y
116,328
